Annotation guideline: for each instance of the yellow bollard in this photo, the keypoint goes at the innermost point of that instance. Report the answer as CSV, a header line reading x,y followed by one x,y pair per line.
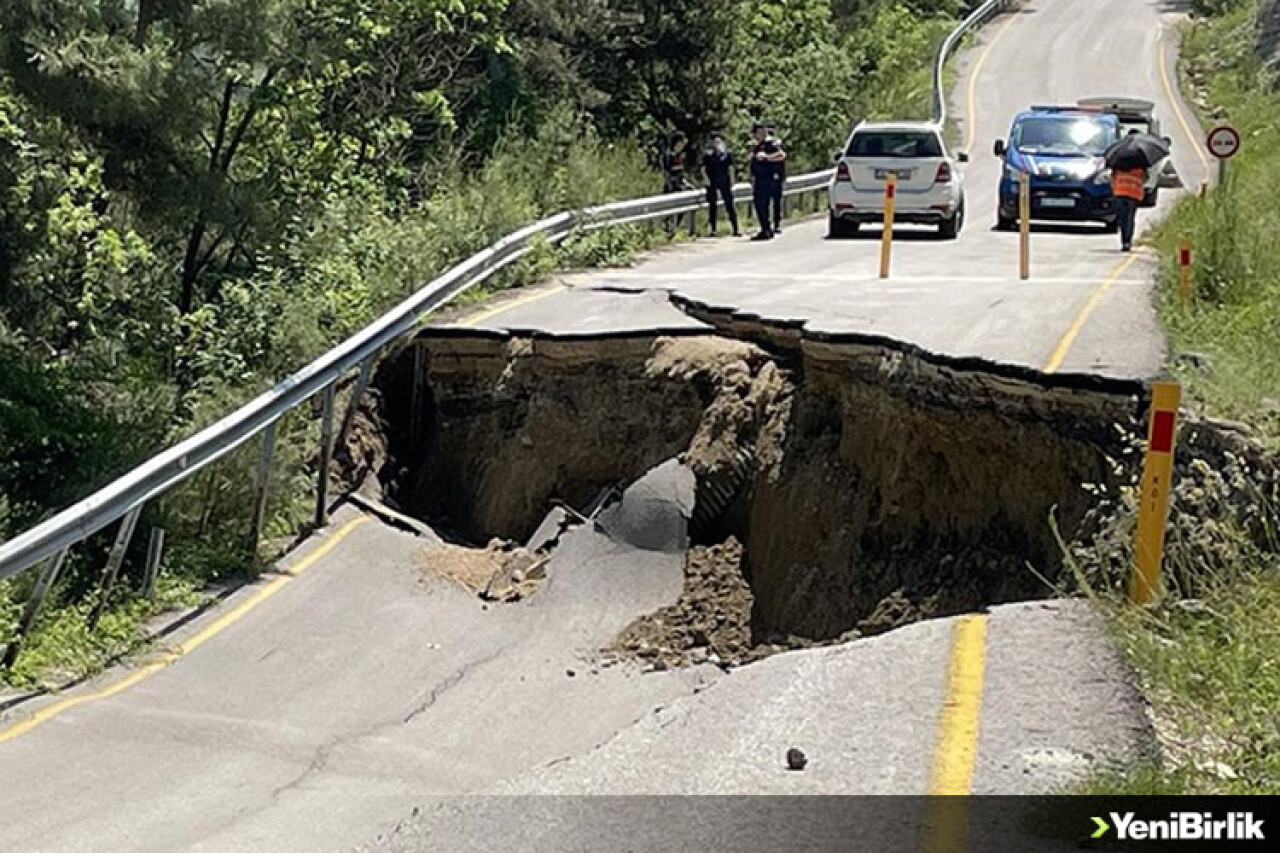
x,y
1184,272
1024,225
1153,499
886,240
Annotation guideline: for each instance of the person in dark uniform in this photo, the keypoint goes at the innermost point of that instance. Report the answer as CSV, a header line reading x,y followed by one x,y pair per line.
x,y
764,176
780,169
717,165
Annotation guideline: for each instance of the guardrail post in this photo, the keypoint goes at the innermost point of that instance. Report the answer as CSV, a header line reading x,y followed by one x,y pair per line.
x,y
48,577
260,488
114,560
353,404
155,553
415,392
326,456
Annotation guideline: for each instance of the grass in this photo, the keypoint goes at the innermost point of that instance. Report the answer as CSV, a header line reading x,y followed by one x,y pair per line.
x,y
1208,651
1233,322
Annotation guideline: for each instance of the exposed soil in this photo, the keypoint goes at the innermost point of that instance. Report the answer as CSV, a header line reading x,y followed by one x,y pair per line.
x,y
500,571
845,486
711,623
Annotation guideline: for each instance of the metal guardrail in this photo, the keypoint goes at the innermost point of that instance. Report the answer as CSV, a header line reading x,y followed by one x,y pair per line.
x,y
48,542
979,16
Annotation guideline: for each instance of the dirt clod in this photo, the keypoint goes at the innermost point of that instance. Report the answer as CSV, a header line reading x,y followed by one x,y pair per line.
x,y
500,572
796,759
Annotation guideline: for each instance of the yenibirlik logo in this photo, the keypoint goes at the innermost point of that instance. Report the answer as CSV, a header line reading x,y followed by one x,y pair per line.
x,y
1182,826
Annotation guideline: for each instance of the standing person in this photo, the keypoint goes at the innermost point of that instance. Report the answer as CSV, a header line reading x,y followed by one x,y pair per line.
x,y
1128,187
764,177
673,164
717,165
780,176
673,180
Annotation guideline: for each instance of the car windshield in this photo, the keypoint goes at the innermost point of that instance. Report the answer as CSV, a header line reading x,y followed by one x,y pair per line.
x,y
1063,135
895,143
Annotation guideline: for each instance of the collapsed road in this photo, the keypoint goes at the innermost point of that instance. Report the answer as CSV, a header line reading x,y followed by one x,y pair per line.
x,y
868,483
783,507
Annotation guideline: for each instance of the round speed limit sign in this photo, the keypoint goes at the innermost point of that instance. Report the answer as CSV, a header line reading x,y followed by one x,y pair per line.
x,y
1224,141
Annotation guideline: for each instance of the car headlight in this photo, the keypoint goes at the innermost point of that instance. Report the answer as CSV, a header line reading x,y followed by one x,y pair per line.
x,y
1103,177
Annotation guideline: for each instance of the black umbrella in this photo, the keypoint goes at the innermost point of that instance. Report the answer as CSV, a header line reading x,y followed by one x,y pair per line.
x,y
1136,151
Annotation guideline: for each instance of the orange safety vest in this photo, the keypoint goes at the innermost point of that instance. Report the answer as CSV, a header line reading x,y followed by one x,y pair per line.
x,y
1129,183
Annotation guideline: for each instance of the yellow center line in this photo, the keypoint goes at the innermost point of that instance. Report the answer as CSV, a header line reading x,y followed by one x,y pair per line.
x,y
957,743
971,117
477,319
1082,316
1176,103
192,643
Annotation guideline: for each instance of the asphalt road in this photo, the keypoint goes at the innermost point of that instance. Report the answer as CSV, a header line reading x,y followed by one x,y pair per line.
x,y
962,297
316,710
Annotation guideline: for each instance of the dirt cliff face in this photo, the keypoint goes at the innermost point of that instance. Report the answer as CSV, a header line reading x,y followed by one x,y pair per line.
x,y
868,483
505,426
905,485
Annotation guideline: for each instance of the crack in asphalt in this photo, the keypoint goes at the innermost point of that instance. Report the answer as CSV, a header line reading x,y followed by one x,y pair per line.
x,y
451,681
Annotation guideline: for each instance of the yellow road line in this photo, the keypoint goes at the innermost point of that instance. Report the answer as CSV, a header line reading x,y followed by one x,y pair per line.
x,y
1082,316
1176,103
946,818
971,117
477,319
192,643
958,726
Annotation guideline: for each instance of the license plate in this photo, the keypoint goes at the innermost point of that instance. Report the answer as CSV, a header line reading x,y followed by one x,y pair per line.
x,y
900,174
1057,202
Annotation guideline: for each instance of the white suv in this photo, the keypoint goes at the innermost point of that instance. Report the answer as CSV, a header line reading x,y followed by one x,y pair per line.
x,y
930,185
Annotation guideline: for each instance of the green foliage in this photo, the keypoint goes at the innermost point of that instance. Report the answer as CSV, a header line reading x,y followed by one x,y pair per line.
x,y
199,196
1235,318
1208,651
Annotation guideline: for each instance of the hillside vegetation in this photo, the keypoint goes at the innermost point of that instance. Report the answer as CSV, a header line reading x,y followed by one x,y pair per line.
x,y
197,196
1209,652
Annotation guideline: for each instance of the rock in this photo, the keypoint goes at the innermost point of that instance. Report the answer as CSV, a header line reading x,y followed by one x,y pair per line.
x,y
796,759
570,673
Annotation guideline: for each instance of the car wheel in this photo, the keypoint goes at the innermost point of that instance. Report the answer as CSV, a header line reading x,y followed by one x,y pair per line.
x,y
949,229
1150,198
839,229
1112,226
1004,223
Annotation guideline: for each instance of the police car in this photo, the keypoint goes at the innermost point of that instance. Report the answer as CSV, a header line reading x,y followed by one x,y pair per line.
x,y
930,186
1061,149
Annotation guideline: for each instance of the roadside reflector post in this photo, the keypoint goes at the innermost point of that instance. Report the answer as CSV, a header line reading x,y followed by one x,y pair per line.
x,y
1153,499
1024,225
886,239
1184,271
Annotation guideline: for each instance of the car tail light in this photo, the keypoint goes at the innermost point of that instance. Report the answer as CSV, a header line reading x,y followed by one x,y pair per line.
x,y
944,174
842,172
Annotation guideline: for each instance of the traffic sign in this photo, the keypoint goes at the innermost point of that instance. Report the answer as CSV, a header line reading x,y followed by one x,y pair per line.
x,y
1224,141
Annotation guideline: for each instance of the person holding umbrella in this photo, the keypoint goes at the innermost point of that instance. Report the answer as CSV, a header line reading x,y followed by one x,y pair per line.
x,y
1129,160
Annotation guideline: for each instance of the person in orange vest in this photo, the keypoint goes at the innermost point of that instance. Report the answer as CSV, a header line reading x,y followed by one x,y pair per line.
x,y
1127,187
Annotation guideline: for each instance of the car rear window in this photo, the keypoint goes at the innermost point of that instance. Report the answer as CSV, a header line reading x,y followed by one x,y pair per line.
x,y
895,143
